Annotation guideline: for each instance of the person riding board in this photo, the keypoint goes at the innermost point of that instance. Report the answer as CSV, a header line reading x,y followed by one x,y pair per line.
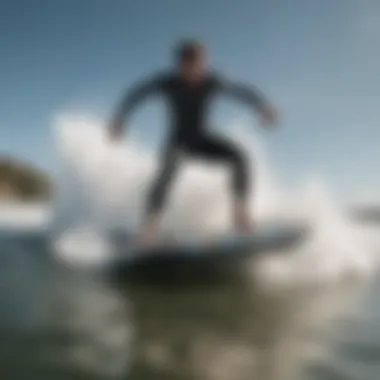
x,y
188,90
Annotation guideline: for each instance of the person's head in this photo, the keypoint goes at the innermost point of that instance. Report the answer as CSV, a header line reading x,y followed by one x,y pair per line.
x,y
190,60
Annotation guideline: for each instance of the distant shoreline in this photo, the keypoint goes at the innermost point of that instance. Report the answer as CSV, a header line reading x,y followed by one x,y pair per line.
x,y
23,182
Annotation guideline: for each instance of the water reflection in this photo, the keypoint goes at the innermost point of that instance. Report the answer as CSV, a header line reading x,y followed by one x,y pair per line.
x,y
59,325
233,331
94,327
356,354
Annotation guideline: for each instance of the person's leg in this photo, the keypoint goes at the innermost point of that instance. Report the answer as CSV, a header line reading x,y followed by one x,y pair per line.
x,y
221,150
158,195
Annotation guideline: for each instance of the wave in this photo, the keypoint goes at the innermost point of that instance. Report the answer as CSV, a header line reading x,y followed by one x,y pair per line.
x,y
102,186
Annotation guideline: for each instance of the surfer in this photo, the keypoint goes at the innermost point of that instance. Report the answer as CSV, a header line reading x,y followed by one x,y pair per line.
x,y
188,90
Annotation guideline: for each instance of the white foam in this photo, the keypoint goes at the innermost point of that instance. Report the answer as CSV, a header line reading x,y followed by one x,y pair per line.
x,y
108,184
82,247
24,215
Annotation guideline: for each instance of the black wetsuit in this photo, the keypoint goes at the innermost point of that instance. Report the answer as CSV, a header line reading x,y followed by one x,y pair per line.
x,y
188,134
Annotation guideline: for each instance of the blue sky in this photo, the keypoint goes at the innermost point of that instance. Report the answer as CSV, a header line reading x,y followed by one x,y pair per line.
x,y
317,60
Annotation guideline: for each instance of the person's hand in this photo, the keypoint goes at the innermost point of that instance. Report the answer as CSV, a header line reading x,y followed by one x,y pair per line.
x,y
269,116
115,133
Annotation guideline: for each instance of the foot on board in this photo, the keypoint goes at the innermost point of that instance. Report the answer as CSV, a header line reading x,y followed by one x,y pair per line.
x,y
245,226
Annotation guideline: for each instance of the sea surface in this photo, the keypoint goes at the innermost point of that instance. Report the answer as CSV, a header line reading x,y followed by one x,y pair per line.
x,y
59,320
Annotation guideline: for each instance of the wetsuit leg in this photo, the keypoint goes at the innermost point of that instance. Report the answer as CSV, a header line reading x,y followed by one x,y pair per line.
x,y
161,185
213,148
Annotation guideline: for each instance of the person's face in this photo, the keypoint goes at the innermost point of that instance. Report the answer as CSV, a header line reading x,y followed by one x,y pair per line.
x,y
193,71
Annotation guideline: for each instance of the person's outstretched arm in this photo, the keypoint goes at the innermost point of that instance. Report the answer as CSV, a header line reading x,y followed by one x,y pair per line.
x,y
250,95
139,92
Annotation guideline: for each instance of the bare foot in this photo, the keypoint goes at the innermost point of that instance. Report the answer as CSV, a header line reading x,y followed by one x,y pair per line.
x,y
244,225
149,232
147,237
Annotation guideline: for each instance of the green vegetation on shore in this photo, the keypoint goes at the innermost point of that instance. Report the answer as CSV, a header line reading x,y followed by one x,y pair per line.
x,y
23,182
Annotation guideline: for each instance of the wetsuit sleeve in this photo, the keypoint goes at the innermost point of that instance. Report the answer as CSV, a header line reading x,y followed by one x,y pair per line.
x,y
248,94
138,93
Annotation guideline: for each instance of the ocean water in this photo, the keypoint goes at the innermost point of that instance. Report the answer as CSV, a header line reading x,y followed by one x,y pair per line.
x,y
309,313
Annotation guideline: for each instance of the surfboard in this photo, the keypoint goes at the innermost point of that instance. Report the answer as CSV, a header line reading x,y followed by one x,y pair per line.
x,y
270,237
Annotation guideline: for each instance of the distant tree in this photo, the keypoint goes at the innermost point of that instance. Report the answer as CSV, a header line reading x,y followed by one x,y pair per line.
x,y
22,181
